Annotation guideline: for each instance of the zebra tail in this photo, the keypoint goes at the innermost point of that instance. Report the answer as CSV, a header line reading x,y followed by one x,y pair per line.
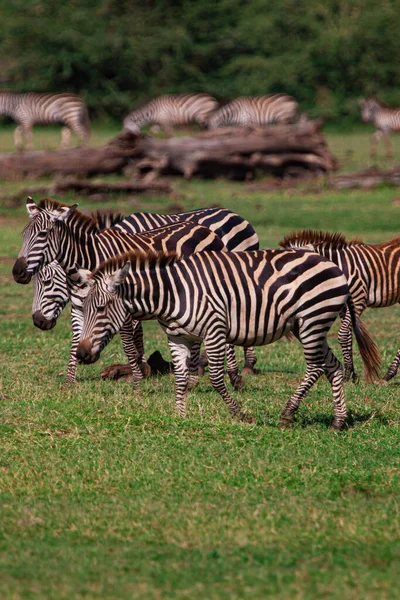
x,y
368,349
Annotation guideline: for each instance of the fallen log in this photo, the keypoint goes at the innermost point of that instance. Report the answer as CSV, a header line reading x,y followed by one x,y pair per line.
x,y
91,188
365,179
233,152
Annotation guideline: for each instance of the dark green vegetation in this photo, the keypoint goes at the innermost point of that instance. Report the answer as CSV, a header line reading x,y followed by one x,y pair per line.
x,y
103,495
118,53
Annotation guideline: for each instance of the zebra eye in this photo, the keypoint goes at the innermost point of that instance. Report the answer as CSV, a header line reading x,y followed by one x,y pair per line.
x,y
101,308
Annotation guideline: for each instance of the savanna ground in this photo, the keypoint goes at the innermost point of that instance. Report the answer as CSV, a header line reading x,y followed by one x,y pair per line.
x,y
104,495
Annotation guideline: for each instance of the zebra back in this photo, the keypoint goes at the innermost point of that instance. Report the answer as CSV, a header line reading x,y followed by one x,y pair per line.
x,y
255,111
235,232
372,270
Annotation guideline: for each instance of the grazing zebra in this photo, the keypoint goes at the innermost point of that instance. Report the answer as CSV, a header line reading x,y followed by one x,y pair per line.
x,y
171,110
245,298
29,109
59,232
373,274
256,111
385,120
235,232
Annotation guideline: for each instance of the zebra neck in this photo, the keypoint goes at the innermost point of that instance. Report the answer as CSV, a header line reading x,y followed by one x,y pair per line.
x,y
152,291
79,245
8,104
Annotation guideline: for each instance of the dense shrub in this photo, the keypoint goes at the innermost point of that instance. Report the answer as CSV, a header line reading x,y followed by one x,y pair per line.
x,y
119,53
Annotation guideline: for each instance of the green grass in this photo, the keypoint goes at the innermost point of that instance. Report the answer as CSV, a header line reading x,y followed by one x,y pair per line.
x,y
105,495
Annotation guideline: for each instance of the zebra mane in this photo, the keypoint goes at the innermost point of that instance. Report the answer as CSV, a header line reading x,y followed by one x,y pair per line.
x,y
138,258
308,236
95,222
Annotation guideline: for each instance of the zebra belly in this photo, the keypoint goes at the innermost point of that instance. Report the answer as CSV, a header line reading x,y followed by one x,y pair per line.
x,y
260,338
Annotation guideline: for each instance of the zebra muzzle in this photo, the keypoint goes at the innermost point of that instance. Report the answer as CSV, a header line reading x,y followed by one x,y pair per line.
x,y
41,322
85,354
20,272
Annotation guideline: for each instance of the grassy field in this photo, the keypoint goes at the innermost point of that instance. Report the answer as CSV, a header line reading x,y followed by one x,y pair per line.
x,y
105,495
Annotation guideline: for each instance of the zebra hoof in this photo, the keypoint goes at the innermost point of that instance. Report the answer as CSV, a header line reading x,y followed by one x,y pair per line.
x,y
245,418
387,377
238,384
286,419
248,370
338,424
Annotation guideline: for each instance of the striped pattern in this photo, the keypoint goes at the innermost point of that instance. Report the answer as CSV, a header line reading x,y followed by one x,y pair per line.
x,y
255,111
30,109
235,232
59,232
246,298
171,110
373,274
385,120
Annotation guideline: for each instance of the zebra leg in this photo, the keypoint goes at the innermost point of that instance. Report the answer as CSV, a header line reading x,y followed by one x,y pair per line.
x,y
77,324
65,137
334,374
203,363
138,341
194,365
388,144
345,339
374,143
250,360
18,139
181,351
28,137
394,367
130,350
313,348
215,343
232,368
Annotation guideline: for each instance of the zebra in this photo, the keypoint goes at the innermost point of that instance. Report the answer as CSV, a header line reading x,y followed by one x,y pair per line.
x,y
31,108
373,273
50,290
60,232
255,111
234,231
171,110
385,120
245,298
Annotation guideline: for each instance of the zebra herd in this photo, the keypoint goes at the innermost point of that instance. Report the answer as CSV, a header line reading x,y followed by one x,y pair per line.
x,y
170,110
202,276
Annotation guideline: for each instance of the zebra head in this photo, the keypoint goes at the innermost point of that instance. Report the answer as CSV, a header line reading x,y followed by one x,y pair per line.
x,y
131,123
40,239
50,295
104,313
368,108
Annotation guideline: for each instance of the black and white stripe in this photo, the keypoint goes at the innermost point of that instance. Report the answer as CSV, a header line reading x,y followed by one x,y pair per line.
x,y
30,109
245,298
255,111
171,110
60,232
385,120
373,274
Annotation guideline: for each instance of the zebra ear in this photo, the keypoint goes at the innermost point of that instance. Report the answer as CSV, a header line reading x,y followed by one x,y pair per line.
x,y
81,278
64,212
117,278
32,208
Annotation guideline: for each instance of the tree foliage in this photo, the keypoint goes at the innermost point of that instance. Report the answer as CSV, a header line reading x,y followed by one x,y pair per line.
x,y
120,53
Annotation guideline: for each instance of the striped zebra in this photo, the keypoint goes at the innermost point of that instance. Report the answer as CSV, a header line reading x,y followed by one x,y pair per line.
x,y
373,273
385,120
245,298
255,111
50,287
59,232
234,231
30,109
169,111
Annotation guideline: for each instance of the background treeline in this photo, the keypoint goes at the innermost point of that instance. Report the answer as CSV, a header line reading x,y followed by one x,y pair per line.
x,y
119,53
